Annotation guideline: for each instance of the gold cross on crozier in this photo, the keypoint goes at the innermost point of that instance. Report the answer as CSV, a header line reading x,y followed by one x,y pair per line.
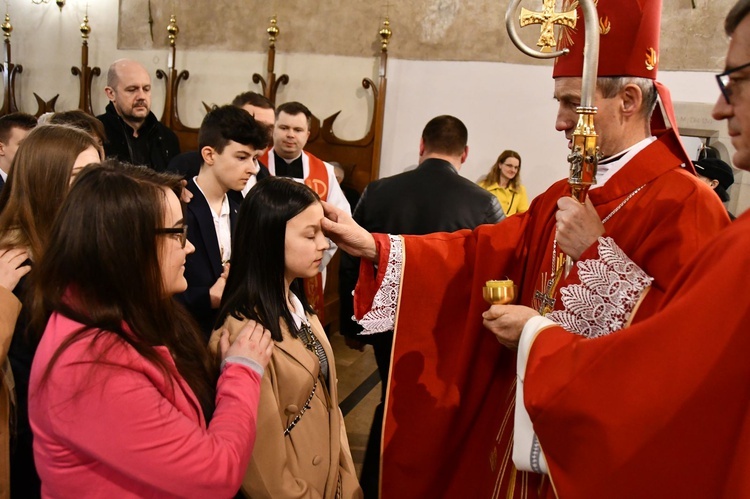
x,y
548,18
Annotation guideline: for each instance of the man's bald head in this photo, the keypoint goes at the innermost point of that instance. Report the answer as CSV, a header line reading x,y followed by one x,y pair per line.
x,y
129,90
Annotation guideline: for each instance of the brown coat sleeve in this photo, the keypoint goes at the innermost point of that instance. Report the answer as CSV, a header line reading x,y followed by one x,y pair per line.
x,y
10,307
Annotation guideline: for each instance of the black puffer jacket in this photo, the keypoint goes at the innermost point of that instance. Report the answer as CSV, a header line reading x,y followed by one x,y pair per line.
x,y
162,142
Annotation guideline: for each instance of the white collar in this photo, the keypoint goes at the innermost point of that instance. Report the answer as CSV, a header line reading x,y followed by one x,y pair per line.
x,y
298,311
608,167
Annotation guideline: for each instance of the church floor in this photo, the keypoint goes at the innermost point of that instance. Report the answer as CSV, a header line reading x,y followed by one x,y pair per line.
x,y
359,393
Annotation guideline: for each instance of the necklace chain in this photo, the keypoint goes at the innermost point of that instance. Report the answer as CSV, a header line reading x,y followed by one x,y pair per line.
x,y
546,300
604,220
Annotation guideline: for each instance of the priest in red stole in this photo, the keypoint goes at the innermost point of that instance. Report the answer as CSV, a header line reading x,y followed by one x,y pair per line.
x,y
449,414
287,158
659,409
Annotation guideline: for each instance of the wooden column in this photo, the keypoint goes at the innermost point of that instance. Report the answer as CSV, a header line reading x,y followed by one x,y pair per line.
x,y
9,71
85,73
171,116
270,84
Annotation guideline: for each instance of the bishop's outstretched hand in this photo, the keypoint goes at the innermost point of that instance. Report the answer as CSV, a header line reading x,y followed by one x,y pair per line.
x,y
341,228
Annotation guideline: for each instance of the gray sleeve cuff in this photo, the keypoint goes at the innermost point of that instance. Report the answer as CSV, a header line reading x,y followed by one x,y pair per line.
x,y
244,361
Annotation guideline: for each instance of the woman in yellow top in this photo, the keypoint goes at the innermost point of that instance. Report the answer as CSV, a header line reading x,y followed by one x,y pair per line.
x,y
504,181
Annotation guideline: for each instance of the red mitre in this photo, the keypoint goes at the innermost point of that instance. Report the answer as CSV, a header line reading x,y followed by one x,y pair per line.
x,y
628,46
628,41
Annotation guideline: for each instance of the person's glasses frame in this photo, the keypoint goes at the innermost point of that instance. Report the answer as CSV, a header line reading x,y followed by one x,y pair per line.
x,y
182,231
724,80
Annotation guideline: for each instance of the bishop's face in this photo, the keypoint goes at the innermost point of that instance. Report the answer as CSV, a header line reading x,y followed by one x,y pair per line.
x,y
737,110
606,121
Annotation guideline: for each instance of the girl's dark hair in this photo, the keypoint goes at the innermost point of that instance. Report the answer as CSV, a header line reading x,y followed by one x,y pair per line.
x,y
494,176
255,287
104,273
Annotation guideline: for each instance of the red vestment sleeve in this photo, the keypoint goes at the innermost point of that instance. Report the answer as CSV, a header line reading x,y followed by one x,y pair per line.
x,y
659,409
446,366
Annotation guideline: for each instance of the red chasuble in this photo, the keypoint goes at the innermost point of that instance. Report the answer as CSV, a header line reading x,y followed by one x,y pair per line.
x,y
661,409
449,412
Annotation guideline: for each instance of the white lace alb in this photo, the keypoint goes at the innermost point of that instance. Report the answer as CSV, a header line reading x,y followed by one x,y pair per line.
x,y
382,314
610,288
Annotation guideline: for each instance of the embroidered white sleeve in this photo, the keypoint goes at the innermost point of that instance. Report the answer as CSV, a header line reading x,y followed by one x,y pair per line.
x,y
382,314
610,288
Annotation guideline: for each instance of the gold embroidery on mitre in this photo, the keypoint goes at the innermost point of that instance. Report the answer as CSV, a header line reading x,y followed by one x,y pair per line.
x,y
548,18
604,25
566,39
652,58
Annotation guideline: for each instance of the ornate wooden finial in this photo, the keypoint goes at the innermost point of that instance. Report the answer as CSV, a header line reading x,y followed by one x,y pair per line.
x,y
273,32
385,34
173,30
7,27
85,28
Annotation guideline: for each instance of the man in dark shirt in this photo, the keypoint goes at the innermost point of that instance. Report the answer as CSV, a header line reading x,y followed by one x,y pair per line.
x,y
133,132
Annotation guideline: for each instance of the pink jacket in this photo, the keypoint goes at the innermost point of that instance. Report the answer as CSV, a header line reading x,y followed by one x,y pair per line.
x,y
117,428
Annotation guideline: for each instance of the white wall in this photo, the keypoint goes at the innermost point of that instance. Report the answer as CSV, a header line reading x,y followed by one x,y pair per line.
x,y
505,106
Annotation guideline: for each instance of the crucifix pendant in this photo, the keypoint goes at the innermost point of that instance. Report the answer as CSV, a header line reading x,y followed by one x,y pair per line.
x,y
543,301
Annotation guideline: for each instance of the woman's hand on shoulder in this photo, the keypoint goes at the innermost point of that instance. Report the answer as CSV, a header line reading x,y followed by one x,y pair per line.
x,y
253,342
12,268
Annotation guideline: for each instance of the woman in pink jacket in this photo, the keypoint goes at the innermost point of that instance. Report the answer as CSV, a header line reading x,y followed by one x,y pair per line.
x,y
122,401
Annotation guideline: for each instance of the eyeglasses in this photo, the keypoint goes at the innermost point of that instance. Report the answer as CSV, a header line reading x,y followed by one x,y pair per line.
x,y
182,231
724,80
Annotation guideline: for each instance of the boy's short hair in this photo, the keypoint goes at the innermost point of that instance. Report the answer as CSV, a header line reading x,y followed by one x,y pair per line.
x,y
228,123
10,121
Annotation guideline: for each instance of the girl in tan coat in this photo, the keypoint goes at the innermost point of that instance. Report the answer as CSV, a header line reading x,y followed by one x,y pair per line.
x,y
301,450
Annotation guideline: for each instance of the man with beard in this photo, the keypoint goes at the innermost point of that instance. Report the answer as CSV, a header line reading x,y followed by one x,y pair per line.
x,y
133,132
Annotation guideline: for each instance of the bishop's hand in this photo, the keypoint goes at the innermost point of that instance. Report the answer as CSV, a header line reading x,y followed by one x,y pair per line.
x,y
507,321
341,228
578,226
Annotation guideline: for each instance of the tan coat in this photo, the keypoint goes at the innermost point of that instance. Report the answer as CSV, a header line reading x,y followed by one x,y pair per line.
x,y
309,461
10,307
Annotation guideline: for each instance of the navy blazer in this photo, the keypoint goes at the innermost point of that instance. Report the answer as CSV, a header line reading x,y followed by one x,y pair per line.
x,y
203,267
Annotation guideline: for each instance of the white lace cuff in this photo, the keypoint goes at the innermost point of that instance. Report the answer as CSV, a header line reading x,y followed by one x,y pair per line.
x,y
382,314
610,289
